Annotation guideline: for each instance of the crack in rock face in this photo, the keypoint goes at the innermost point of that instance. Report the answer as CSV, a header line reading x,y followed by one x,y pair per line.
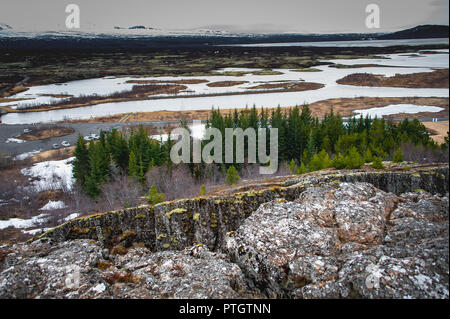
x,y
330,243
331,240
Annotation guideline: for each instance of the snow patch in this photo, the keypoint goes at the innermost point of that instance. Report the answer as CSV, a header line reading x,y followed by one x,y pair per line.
x,y
396,109
71,216
35,231
14,140
23,223
23,156
51,175
53,205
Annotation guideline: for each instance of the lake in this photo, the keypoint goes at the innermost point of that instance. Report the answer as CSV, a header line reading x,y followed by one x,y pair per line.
x,y
389,65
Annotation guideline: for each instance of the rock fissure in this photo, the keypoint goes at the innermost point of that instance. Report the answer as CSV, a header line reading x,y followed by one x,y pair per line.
x,y
355,234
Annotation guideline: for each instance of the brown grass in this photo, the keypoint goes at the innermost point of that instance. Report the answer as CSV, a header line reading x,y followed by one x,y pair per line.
x,y
6,100
435,79
187,81
46,133
48,195
345,106
342,106
438,130
290,86
136,94
103,265
53,155
225,83
118,277
15,90
60,96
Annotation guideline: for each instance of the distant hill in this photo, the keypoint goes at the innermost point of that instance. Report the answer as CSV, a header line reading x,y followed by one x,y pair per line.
x,y
419,32
146,37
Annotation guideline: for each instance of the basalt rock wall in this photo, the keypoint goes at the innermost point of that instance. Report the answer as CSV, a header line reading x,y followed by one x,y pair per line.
x,y
209,220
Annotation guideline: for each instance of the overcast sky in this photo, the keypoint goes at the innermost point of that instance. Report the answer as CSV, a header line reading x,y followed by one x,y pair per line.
x,y
233,15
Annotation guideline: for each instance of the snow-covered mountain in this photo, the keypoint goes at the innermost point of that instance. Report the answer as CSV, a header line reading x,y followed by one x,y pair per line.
x,y
4,26
136,31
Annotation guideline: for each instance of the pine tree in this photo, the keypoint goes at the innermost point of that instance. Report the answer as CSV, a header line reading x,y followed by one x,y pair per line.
x,y
232,176
326,144
353,160
133,169
310,147
141,172
398,156
302,169
202,190
338,161
153,197
92,186
119,150
368,157
314,163
325,161
377,163
81,167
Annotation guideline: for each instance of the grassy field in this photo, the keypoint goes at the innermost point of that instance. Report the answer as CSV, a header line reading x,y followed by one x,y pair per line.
x,y
438,130
45,133
56,66
342,106
435,79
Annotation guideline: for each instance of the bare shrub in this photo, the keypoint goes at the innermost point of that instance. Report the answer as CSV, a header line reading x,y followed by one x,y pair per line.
x,y
424,155
121,192
174,183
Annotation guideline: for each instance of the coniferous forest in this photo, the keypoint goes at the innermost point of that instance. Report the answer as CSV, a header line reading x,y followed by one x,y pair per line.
x,y
305,144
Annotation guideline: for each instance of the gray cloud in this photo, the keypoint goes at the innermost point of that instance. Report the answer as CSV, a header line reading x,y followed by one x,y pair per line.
x,y
234,15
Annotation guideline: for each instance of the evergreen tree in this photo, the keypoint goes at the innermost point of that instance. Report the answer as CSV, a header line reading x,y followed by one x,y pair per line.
x,y
133,168
326,145
153,197
302,169
319,161
98,168
368,157
81,166
232,176
314,163
325,161
202,190
118,147
398,156
338,161
353,159
377,163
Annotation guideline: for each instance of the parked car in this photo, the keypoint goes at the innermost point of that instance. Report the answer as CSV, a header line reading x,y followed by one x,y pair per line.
x,y
95,136
55,146
65,143
87,138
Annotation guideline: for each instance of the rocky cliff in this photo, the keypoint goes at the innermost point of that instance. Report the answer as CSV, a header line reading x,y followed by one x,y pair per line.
x,y
362,233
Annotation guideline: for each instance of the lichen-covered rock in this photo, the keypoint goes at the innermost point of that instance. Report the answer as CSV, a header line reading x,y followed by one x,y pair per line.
x,y
41,271
353,234
183,223
76,269
346,240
